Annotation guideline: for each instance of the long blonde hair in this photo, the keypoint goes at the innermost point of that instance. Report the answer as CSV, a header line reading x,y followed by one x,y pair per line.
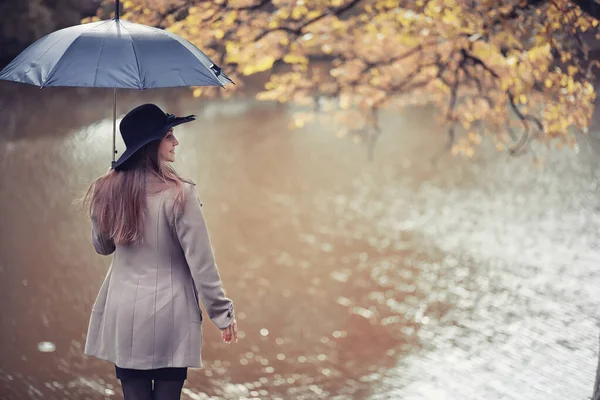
x,y
117,200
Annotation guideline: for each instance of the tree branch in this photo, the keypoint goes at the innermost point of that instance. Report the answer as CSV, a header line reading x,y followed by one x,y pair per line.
x,y
524,119
590,7
298,30
400,57
452,105
514,12
477,61
253,7
373,137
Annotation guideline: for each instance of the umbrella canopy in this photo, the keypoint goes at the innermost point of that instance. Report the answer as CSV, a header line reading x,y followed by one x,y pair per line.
x,y
114,54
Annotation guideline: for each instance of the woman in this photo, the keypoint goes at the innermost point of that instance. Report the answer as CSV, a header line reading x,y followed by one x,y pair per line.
x,y
146,318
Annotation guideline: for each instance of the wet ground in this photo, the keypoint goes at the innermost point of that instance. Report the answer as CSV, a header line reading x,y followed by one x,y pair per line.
x,y
394,279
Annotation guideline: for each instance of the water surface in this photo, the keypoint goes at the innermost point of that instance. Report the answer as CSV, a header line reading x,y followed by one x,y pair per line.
x,y
397,278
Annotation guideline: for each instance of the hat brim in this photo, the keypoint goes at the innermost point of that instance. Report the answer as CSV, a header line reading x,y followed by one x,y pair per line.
x,y
160,133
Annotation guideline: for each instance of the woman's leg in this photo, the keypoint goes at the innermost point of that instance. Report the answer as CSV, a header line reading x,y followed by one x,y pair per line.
x,y
167,390
137,389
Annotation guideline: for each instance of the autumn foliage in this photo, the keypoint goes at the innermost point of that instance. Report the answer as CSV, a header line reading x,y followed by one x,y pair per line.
x,y
512,70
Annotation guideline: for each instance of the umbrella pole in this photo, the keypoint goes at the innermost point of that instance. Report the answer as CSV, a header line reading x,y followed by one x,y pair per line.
x,y
114,148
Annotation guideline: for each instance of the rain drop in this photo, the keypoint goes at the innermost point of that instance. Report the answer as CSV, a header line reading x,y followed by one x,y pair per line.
x,y
46,347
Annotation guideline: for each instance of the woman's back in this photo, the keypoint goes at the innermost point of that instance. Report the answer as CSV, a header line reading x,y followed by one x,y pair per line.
x,y
150,297
158,243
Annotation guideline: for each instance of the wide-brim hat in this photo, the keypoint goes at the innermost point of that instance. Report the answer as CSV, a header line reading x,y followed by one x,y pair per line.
x,y
145,124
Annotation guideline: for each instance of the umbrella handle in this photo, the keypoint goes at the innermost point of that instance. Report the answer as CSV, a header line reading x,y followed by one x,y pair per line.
x,y
116,9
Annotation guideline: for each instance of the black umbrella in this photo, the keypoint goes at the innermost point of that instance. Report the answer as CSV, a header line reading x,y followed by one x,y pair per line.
x,y
114,54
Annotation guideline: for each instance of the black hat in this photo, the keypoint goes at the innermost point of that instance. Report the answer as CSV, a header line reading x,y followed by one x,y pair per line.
x,y
143,125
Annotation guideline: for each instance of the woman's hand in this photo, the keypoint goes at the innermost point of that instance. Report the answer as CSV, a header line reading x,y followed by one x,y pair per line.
x,y
231,332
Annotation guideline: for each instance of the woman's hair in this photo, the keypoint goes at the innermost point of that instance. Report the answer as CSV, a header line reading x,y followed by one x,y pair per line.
x,y
117,200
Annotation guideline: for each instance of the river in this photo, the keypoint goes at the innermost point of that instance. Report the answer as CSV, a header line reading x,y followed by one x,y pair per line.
x,y
396,278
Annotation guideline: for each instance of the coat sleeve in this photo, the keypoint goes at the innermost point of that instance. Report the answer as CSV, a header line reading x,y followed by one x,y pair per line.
x,y
103,245
195,242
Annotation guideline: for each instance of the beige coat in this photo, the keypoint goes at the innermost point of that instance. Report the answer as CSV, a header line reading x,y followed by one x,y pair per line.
x,y
147,314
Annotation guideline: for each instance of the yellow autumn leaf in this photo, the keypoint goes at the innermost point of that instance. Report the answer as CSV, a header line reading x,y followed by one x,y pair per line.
x,y
230,17
219,34
451,18
299,12
264,64
231,47
313,14
295,59
523,99
266,96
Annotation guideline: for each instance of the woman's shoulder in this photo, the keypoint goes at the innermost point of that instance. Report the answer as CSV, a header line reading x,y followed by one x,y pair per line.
x,y
169,188
188,186
182,194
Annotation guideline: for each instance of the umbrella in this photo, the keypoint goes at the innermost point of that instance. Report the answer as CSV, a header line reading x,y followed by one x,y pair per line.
x,y
114,54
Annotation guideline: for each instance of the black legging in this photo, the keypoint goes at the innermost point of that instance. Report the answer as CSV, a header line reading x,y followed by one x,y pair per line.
x,y
141,389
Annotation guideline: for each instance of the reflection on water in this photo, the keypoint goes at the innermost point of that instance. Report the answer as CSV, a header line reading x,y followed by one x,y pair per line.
x,y
392,279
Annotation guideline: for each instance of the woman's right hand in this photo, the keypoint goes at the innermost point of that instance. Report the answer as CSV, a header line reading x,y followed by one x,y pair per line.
x,y
231,332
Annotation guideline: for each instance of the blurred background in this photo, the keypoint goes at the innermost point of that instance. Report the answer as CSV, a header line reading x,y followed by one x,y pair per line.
x,y
402,198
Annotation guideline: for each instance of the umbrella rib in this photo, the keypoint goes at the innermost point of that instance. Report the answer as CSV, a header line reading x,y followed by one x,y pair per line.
x,y
53,70
39,58
192,53
136,57
177,38
99,56
182,80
